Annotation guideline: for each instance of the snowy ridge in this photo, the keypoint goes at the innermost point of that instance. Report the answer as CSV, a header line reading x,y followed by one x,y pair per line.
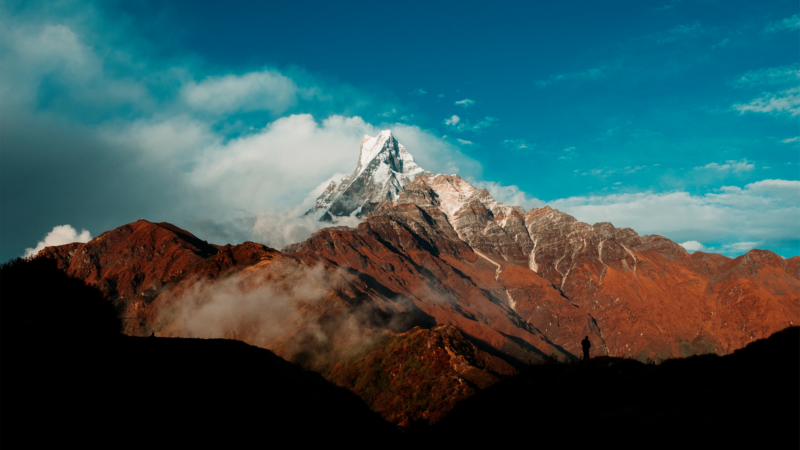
x,y
384,169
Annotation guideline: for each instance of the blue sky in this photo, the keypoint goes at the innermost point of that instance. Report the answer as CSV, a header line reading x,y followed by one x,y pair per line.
x,y
677,118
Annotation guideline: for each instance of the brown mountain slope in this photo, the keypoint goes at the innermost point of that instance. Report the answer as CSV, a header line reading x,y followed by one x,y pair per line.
x,y
645,296
652,299
420,375
639,296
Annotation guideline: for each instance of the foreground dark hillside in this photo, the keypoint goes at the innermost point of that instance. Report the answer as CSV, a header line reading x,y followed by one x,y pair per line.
x,y
69,376
751,397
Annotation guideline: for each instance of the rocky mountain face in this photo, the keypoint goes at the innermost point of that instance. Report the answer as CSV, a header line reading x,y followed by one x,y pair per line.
x,y
428,371
384,169
521,287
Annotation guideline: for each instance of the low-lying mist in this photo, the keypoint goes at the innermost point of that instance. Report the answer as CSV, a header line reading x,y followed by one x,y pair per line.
x,y
308,314
278,229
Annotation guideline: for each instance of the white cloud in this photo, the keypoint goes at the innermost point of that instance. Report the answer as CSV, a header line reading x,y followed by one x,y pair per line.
x,y
464,142
766,210
277,166
787,24
790,140
729,166
254,91
60,235
165,129
693,246
418,91
466,103
787,101
278,229
31,52
454,120
172,139
509,195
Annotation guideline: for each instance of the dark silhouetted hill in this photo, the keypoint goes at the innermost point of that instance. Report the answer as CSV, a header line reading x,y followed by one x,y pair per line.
x,y
68,376
748,398
38,301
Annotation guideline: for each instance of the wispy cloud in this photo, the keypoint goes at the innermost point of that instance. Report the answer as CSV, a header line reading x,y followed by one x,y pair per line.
x,y
458,124
569,153
732,166
606,171
790,140
509,195
464,142
680,32
266,90
515,143
721,43
591,74
787,24
787,101
417,91
486,122
466,103
669,5
770,76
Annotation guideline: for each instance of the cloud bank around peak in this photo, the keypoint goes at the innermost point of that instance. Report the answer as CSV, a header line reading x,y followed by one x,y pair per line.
x,y
168,140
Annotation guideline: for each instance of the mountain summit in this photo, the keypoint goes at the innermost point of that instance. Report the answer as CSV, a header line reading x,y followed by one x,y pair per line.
x,y
384,169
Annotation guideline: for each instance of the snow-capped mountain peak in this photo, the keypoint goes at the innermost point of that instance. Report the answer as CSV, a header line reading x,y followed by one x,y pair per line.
x,y
384,169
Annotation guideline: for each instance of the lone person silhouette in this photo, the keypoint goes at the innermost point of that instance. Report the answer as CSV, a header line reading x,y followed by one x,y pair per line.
x,y
586,346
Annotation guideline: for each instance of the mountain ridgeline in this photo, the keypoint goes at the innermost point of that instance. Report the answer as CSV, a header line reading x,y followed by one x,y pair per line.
x,y
488,289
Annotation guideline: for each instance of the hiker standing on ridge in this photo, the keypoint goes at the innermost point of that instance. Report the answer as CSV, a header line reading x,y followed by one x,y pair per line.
x,y
586,346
